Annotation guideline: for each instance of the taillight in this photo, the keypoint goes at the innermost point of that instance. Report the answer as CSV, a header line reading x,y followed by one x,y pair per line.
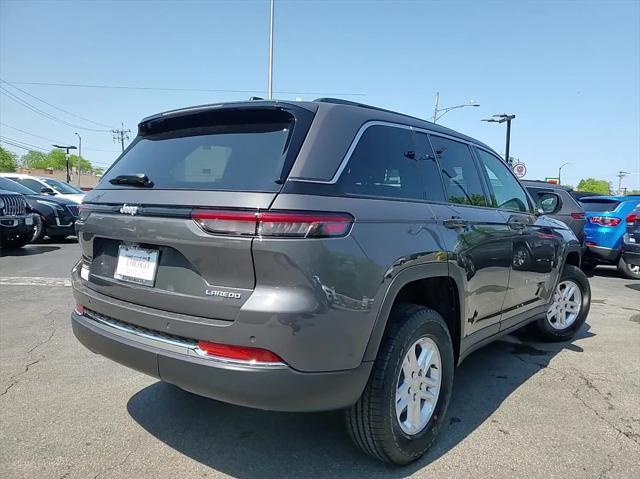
x,y
239,353
605,220
79,309
280,224
577,216
632,218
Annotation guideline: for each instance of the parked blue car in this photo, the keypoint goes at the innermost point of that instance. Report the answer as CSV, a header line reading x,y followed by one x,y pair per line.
x,y
607,218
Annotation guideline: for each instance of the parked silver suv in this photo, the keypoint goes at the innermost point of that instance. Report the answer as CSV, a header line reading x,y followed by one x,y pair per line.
x,y
307,256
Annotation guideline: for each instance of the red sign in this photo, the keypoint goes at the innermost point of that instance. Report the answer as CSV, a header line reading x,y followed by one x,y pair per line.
x,y
519,169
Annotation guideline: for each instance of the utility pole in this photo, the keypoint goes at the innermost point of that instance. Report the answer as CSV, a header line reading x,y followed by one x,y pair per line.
x,y
501,119
79,156
120,136
270,91
621,175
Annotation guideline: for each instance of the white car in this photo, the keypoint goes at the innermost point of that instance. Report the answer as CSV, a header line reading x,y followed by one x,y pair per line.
x,y
48,186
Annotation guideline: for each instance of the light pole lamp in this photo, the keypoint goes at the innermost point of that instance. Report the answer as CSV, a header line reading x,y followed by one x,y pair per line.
x,y
440,112
560,172
79,155
67,148
501,119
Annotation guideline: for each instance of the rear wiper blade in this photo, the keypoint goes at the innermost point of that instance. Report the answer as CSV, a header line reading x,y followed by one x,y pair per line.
x,y
139,179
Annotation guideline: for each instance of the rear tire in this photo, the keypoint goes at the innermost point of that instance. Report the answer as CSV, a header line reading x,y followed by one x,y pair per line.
x,y
627,270
374,423
569,308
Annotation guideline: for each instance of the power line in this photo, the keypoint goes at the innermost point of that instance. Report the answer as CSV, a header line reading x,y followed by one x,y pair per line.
x,y
53,106
52,140
27,133
214,90
37,110
21,144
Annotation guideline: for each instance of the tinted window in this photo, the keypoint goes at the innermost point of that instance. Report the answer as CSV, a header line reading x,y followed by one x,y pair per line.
x,y
61,187
33,185
599,205
461,179
506,191
10,185
246,154
385,163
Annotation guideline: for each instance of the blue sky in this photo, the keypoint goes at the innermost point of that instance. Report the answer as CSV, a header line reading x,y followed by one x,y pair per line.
x,y
570,71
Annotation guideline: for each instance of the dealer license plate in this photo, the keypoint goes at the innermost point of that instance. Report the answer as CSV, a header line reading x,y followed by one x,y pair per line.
x,y
137,265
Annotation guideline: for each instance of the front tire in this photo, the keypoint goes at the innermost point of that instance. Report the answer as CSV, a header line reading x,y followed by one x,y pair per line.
x,y
628,270
569,307
400,412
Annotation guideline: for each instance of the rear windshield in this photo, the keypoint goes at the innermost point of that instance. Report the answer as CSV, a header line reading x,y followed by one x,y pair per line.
x,y
247,155
599,205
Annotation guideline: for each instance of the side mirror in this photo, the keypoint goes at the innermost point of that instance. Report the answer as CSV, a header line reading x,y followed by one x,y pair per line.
x,y
549,203
47,191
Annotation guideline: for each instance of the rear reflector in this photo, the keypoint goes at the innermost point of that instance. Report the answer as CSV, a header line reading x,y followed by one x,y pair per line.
x,y
238,353
591,243
281,224
79,309
577,216
605,220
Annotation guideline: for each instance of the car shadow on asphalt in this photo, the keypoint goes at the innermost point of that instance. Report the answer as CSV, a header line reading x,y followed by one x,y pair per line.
x,y
249,443
29,250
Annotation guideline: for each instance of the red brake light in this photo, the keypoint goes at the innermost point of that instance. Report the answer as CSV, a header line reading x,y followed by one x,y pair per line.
x,y
274,224
605,220
79,309
241,353
577,216
632,218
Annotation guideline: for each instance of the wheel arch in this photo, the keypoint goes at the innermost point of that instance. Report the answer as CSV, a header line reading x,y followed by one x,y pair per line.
x,y
421,285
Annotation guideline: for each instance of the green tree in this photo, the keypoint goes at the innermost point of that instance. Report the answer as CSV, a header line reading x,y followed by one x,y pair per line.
x,y
35,159
55,159
8,160
592,185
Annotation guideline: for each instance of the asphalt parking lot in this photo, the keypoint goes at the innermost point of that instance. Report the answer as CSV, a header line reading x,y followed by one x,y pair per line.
x,y
519,408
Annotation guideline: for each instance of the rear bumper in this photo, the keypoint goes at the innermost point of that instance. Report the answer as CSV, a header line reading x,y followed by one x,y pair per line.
x,y
631,253
604,255
271,388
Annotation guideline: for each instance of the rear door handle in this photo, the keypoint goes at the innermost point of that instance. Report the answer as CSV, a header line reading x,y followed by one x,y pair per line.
x,y
455,222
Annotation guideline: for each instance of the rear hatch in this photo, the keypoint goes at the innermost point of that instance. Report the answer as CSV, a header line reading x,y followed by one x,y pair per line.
x,y
138,229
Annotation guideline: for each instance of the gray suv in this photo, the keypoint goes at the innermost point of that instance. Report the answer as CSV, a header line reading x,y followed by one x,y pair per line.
x,y
309,256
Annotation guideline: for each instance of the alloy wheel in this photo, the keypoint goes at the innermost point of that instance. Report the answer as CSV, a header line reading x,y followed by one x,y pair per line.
x,y
418,386
567,302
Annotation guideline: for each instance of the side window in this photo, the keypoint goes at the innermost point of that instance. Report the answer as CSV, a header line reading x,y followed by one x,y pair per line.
x,y
506,191
431,174
461,178
384,163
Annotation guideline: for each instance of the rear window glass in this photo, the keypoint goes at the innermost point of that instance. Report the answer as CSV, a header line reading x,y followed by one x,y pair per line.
x,y
246,156
599,205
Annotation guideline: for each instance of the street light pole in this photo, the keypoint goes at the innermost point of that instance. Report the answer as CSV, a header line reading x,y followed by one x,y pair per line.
x,y
270,92
501,119
560,172
435,110
79,156
444,111
66,157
